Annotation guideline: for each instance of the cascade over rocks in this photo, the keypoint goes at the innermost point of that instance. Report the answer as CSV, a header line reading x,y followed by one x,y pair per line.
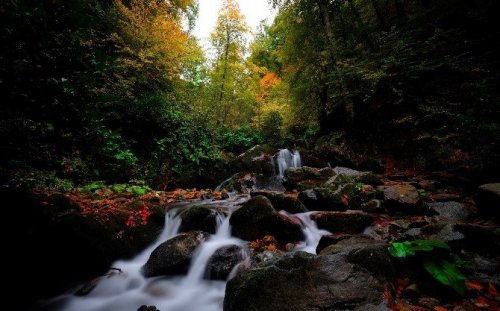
x,y
301,281
174,256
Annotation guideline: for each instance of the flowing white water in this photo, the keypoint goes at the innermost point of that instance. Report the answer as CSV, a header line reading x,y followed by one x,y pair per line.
x,y
128,290
221,238
286,159
311,232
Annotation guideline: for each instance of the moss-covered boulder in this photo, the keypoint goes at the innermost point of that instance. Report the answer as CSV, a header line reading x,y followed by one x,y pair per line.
x,y
305,177
257,160
302,281
282,201
257,218
323,199
198,218
223,261
174,256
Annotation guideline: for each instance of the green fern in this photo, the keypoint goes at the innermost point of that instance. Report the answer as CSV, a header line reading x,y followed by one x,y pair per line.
x,y
409,248
443,270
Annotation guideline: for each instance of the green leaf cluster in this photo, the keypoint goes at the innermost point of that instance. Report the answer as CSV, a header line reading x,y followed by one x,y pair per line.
x,y
443,266
138,189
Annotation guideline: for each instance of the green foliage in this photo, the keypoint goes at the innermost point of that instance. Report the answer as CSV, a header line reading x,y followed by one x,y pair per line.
x,y
437,260
238,140
117,158
92,186
410,248
447,273
272,127
138,189
42,179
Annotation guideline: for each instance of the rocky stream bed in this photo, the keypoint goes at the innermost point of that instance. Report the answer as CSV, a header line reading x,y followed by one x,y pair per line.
x,y
319,241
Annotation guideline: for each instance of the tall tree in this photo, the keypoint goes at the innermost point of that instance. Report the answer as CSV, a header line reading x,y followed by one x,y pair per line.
x,y
229,45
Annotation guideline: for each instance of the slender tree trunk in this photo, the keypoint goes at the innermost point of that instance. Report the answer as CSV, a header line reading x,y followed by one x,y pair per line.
x,y
224,72
400,9
364,33
379,15
323,93
425,3
342,23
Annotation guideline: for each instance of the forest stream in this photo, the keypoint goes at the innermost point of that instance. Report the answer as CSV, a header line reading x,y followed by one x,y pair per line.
x,y
314,246
250,155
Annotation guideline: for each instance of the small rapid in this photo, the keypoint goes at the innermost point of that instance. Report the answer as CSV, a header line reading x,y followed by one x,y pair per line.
x,y
125,288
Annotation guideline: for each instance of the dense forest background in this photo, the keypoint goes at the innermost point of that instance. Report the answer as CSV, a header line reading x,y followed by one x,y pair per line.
x,y
121,90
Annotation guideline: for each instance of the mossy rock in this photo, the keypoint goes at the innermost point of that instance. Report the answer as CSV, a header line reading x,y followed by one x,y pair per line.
x,y
198,218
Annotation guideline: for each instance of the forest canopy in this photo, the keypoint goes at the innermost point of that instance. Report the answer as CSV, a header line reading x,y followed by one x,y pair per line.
x,y
122,90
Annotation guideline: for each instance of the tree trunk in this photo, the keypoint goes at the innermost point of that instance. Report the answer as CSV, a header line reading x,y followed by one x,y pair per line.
x,y
400,9
325,18
364,33
323,94
224,72
379,15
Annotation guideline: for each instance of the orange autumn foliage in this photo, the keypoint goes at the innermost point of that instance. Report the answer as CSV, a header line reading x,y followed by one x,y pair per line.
x,y
267,243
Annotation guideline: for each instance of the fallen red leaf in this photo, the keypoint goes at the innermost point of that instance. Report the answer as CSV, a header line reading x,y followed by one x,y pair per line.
x,y
492,291
473,285
482,302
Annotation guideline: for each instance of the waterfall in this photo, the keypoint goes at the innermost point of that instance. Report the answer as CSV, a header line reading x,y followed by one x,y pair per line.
x,y
128,289
286,159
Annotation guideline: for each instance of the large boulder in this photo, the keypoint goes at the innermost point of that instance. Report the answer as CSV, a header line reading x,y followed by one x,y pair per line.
x,y
301,281
402,198
223,261
258,160
257,218
198,218
323,199
305,177
282,201
453,211
241,182
173,257
488,199
365,252
343,222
